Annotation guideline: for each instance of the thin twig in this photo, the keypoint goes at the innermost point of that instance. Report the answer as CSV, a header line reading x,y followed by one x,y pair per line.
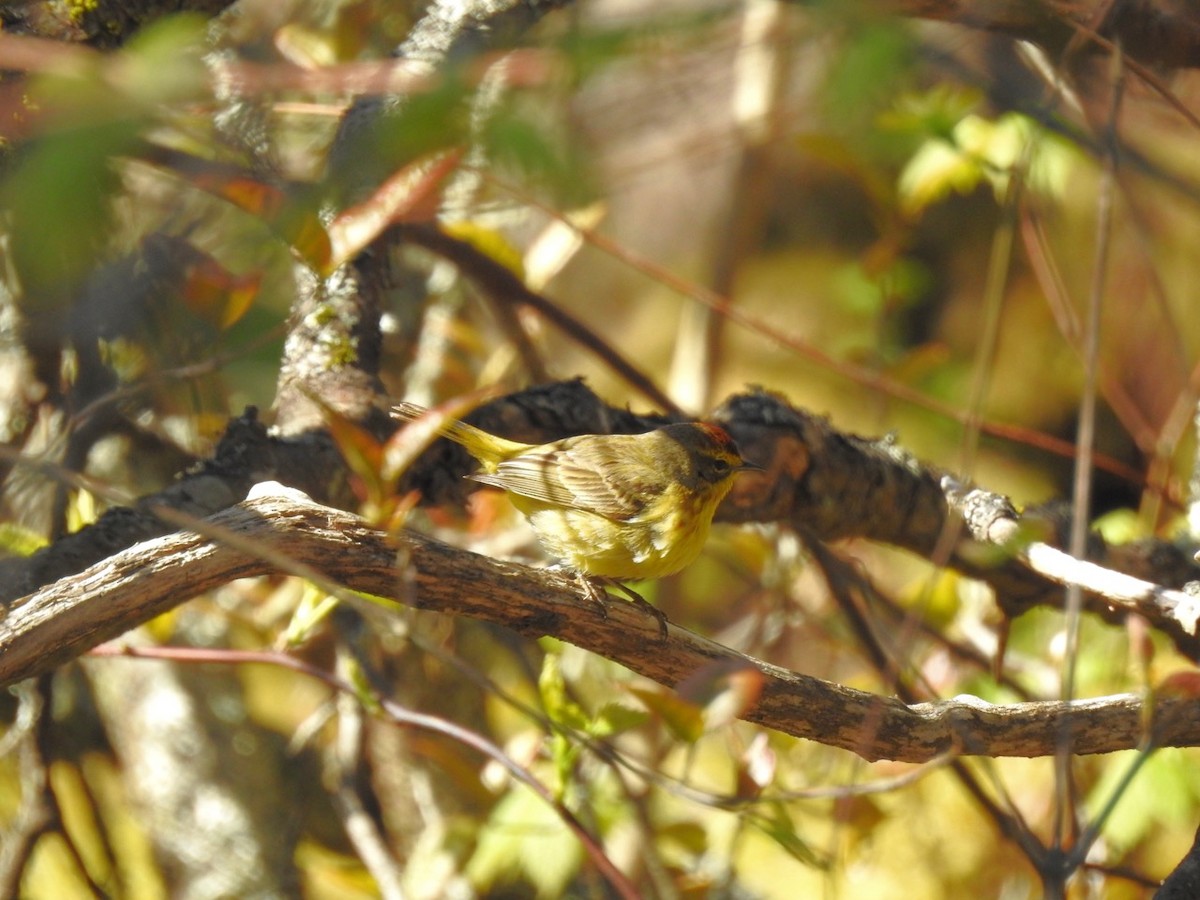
x,y
856,374
401,716
1081,493
504,286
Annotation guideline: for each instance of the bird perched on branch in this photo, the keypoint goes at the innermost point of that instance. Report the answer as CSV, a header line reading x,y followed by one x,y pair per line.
x,y
612,507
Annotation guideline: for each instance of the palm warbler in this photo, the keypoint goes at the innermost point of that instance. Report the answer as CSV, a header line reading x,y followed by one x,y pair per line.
x,y
615,507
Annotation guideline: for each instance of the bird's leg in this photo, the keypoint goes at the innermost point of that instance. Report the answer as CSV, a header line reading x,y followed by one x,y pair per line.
x,y
641,601
593,589
590,588
594,592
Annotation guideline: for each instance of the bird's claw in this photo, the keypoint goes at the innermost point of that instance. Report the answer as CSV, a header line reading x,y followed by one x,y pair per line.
x,y
645,604
593,589
595,593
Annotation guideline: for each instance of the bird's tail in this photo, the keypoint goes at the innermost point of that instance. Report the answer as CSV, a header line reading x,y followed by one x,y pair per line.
x,y
486,447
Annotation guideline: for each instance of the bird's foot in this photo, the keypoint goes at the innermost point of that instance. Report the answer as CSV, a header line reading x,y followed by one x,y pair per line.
x,y
593,589
645,604
594,592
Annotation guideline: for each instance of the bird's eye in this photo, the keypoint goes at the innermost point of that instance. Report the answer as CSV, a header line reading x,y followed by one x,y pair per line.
x,y
720,467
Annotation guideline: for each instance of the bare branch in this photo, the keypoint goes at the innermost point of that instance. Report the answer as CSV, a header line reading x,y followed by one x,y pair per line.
x,y
1159,33
77,613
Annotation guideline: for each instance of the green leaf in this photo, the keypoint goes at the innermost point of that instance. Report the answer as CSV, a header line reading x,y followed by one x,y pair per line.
x,y
872,63
564,751
60,189
524,837
516,143
935,171
59,197
931,113
683,719
314,608
1165,791
163,64
981,149
616,718
779,827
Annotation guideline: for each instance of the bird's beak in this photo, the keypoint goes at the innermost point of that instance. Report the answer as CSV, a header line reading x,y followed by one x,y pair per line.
x,y
749,467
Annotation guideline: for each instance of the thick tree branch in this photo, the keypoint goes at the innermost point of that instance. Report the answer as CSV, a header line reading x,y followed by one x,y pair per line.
x,y
831,484
77,613
1160,33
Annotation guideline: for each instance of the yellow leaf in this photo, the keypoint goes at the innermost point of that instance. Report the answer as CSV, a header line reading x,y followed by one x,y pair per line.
x,y
490,243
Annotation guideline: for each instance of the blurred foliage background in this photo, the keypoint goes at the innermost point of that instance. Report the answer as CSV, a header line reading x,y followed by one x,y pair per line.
x,y
898,222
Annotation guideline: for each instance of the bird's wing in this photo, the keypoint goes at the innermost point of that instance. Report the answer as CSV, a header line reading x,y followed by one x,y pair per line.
x,y
574,476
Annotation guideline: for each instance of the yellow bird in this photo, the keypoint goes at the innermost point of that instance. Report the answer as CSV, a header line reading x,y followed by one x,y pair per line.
x,y
615,507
